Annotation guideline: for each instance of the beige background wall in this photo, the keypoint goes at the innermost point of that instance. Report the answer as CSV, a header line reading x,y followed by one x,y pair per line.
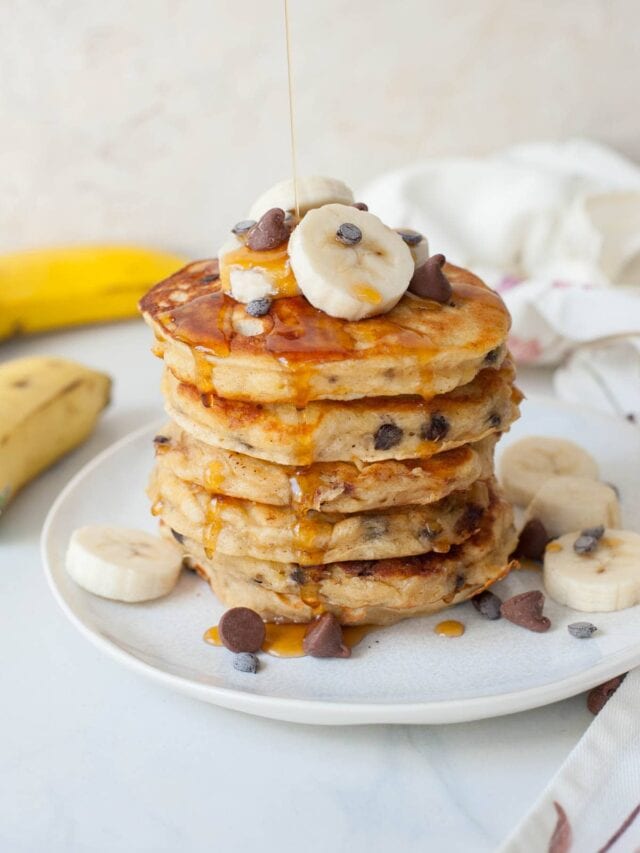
x,y
159,120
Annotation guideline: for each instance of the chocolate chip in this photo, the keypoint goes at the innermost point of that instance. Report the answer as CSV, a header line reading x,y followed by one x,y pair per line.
x,y
360,205
387,436
241,630
177,536
631,418
459,582
436,429
246,662
430,282
469,520
258,307
323,638
206,279
410,237
374,528
349,234
243,226
494,420
582,630
492,356
525,610
161,439
599,696
533,540
297,576
269,232
428,533
488,604
588,540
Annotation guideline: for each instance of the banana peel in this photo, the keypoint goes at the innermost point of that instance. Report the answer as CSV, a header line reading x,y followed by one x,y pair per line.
x,y
48,406
52,288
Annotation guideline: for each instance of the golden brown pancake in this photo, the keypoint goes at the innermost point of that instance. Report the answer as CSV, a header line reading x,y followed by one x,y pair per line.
x,y
246,528
376,592
296,353
327,486
369,430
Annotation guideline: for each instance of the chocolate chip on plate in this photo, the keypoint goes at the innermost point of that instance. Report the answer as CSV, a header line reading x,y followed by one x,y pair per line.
x,y
533,540
582,630
525,610
600,695
360,205
258,307
246,662
495,420
269,232
410,237
588,540
161,439
430,282
349,234
387,436
243,226
436,429
492,356
241,630
323,638
488,604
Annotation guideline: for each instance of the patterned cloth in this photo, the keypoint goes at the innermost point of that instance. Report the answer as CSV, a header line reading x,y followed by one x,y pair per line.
x,y
555,228
593,804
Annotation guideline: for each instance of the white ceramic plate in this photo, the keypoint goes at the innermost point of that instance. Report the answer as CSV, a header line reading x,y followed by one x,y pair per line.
x,y
402,674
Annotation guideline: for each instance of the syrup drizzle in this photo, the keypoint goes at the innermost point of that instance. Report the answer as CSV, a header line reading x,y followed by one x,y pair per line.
x,y
285,641
294,165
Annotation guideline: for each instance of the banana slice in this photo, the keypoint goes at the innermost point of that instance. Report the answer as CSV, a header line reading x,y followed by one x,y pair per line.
x,y
121,564
607,578
313,191
564,504
348,263
527,464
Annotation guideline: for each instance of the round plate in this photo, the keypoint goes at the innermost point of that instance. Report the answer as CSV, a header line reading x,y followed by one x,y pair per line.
x,y
401,674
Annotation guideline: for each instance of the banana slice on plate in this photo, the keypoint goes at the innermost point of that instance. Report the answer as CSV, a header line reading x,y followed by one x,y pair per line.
x,y
122,564
528,463
603,579
313,191
348,263
564,504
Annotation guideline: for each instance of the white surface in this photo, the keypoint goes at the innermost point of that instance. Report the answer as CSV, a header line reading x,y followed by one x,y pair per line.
x,y
93,758
162,122
409,675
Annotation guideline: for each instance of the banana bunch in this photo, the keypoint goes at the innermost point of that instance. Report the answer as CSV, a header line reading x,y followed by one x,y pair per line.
x,y
47,407
50,288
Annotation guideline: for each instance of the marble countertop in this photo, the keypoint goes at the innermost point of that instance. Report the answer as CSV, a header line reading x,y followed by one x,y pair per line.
x,y
94,758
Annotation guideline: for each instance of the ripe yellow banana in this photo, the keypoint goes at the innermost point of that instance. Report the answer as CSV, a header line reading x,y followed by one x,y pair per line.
x,y
49,288
47,407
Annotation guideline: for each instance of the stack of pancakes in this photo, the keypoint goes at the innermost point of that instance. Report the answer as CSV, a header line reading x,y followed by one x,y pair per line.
x,y
317,464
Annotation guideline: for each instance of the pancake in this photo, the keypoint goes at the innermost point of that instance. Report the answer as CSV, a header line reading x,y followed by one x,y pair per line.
x,y
246,528
375,592
370,430
296,353
328,486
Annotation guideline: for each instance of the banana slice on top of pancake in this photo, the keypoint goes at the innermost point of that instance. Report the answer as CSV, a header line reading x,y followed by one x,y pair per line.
x,y
348,263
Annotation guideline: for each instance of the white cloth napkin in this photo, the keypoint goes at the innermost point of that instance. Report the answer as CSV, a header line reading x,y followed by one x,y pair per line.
x,y
597,789
555,228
